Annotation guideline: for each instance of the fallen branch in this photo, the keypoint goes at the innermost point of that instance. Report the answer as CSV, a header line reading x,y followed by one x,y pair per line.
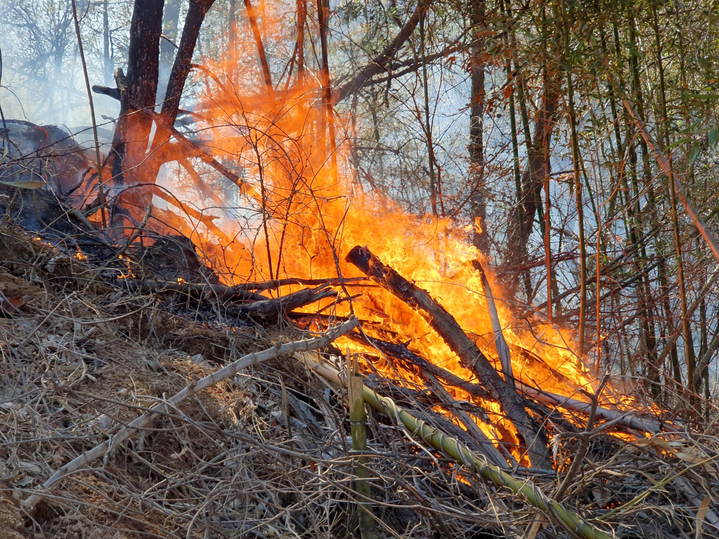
x,y
399,351
465,348
499,342
145,420
625,419
277,283
528,492
199,291
275,308
622,419
486,447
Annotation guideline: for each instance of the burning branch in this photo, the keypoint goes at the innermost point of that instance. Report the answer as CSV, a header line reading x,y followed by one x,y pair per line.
x,y
465,348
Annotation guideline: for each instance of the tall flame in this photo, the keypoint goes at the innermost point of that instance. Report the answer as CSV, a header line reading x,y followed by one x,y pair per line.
x,y
304,211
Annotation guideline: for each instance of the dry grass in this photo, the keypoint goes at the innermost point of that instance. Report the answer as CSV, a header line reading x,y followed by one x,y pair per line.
x,y
83,355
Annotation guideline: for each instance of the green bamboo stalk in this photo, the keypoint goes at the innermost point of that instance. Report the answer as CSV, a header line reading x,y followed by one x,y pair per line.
x,y
358,429
577,186
664,130
458,451
451,447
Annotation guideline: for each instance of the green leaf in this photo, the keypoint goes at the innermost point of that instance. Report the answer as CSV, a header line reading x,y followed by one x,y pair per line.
x,y
694,154
713,136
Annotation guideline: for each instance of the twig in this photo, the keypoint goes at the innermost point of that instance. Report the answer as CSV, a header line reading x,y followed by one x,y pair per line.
x,y
583,442
101,192
454,449
145,420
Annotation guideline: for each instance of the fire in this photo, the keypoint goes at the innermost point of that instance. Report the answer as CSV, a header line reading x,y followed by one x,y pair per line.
x,y
128,264
307,212
317,213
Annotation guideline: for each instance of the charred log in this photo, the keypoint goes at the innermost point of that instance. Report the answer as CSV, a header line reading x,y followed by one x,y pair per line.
x,y
402,353
272,309
469,353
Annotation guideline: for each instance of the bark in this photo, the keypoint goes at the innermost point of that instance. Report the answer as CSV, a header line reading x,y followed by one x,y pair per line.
x,y
138,91
477,201
470,355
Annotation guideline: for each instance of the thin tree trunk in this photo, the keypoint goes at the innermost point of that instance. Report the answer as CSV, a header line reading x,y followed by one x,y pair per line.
x,y
433,183
633,223
252,16
651,199
478,202
301,21
520,86
537,169
196,13
106,60
232,39
577,189
326,88
686,329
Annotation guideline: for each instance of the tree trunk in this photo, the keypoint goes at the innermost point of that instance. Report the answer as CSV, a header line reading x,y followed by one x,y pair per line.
x,y
533,177
478,202
138,91
181,68
168,43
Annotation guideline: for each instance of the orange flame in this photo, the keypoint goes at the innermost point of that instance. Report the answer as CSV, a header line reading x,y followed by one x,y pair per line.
x,y
303,212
